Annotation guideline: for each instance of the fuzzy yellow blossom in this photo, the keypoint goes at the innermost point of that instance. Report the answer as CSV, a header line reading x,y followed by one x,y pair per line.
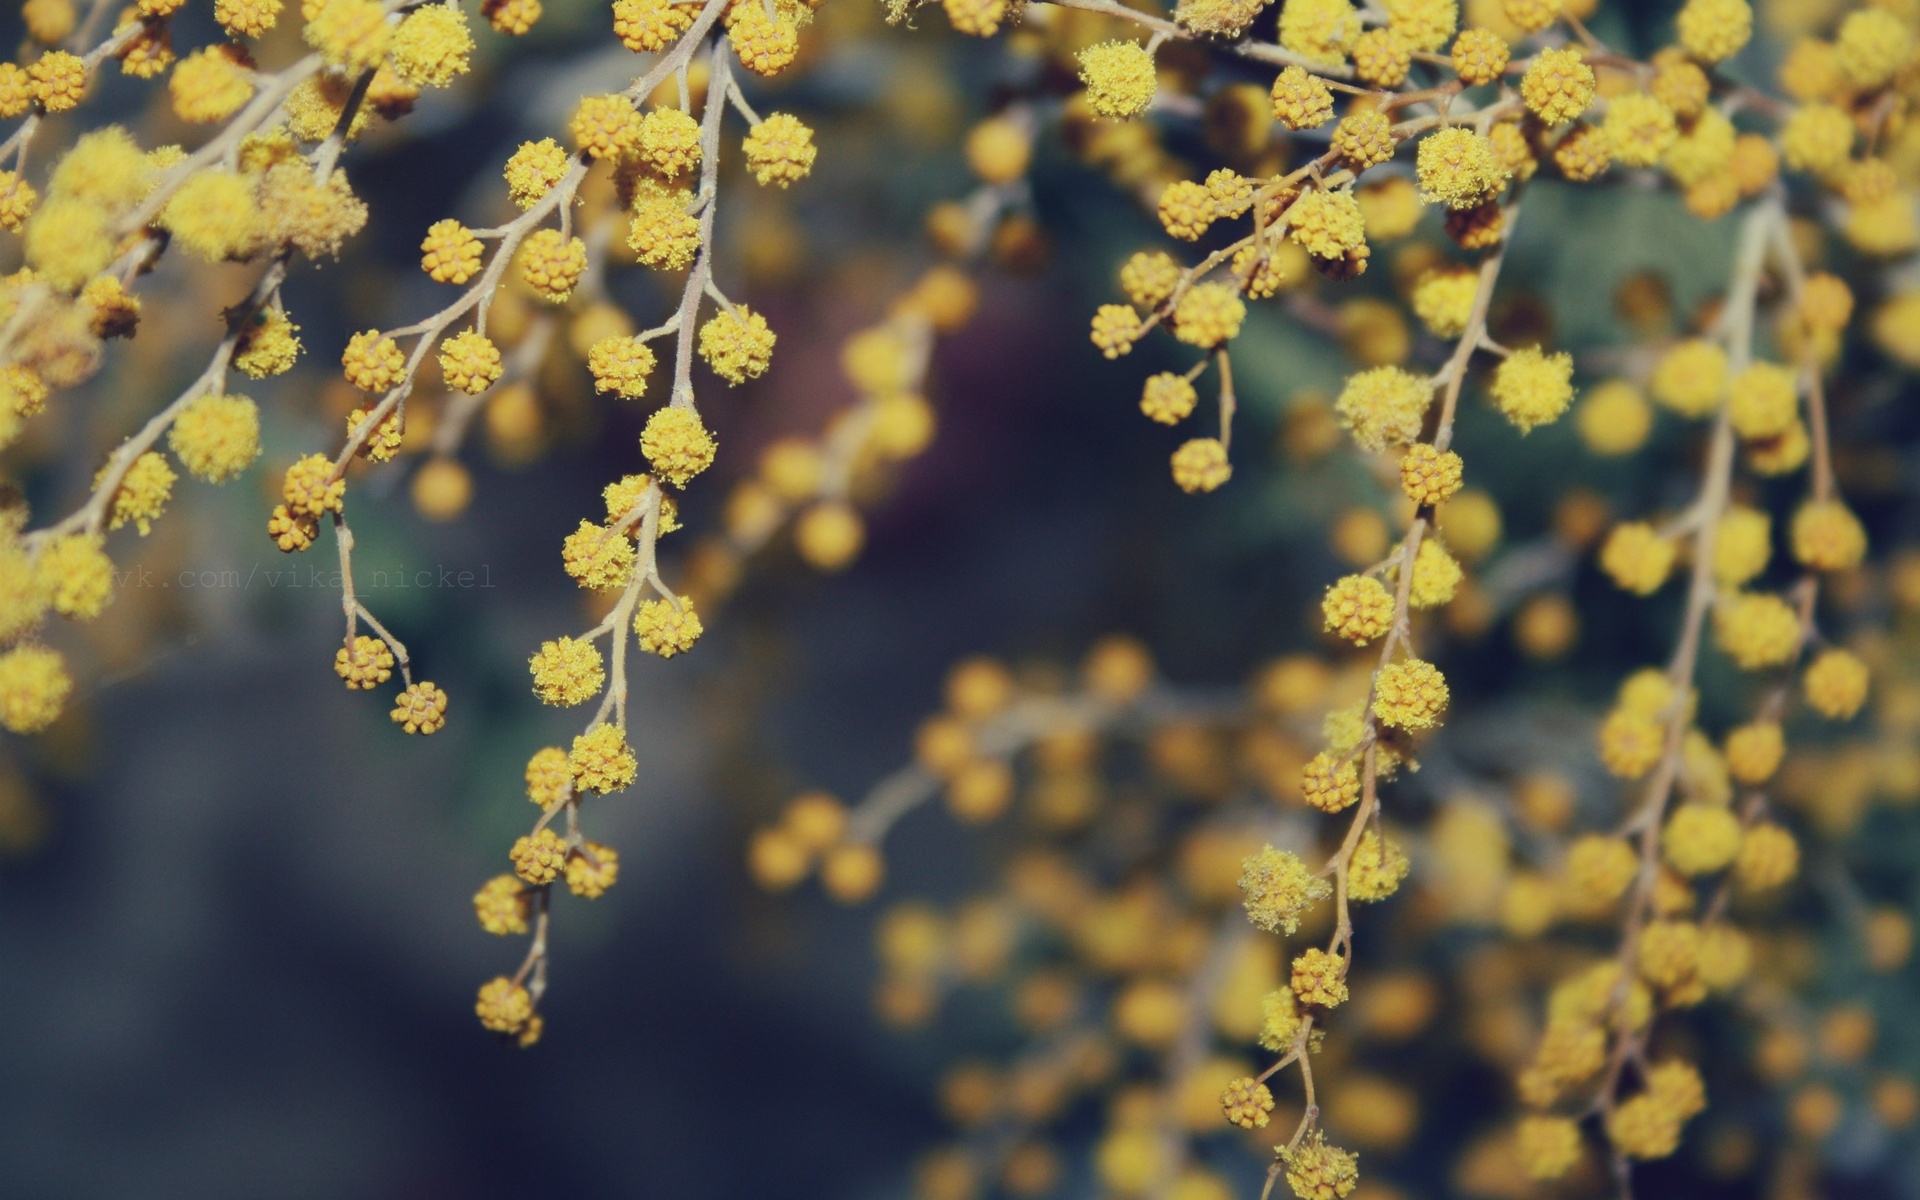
x,y
1598,870
1742,546
1582,154
620,365
470,362
1630,743
269,345
1410,694
663,234
34,686
504,1006
647,26
665,629
592,870
1532,388
143,493
501,906
1835,684
1115,329
1872,46
1826,536
1558,86
737,344
567,671
1643,1127
549,778
1186,209
364,663
1817,138
1381,58
421,708
217,436
534,168
1436,575
1319,30
432,46
1548,1147
16,89
1700,839
1756,629
1377,868
1443,299
1754,751
1769,856
596,557
779,150
1614,419
677,445
976,18
1330,783
1531,16
539,857
1301,100
310,489
1276,887
766,42
1690,378
552,264
1327,225
1384,406
22,392
1318,1171
601,761
1148,277
1429,476
1762,400
1246,1103
1637,558
17,201
1780,456
1715,30
1425,25
291,531
625,494
1639,129
209,85
1320,978
216,215
1200,465
1279,1019
1119,78
605,126
372,361
1210,313
1826,302
1668,953
1364,138
58,80
1390,208
1726,957
1457,167
76,575
1358,608
1167,398
351,34
669,141
1479,56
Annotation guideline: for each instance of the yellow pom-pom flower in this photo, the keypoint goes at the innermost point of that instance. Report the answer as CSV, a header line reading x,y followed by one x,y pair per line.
x,y
1532,388
1119,78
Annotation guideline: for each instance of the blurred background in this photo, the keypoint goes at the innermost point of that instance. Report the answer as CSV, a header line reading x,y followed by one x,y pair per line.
x,y
238,947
